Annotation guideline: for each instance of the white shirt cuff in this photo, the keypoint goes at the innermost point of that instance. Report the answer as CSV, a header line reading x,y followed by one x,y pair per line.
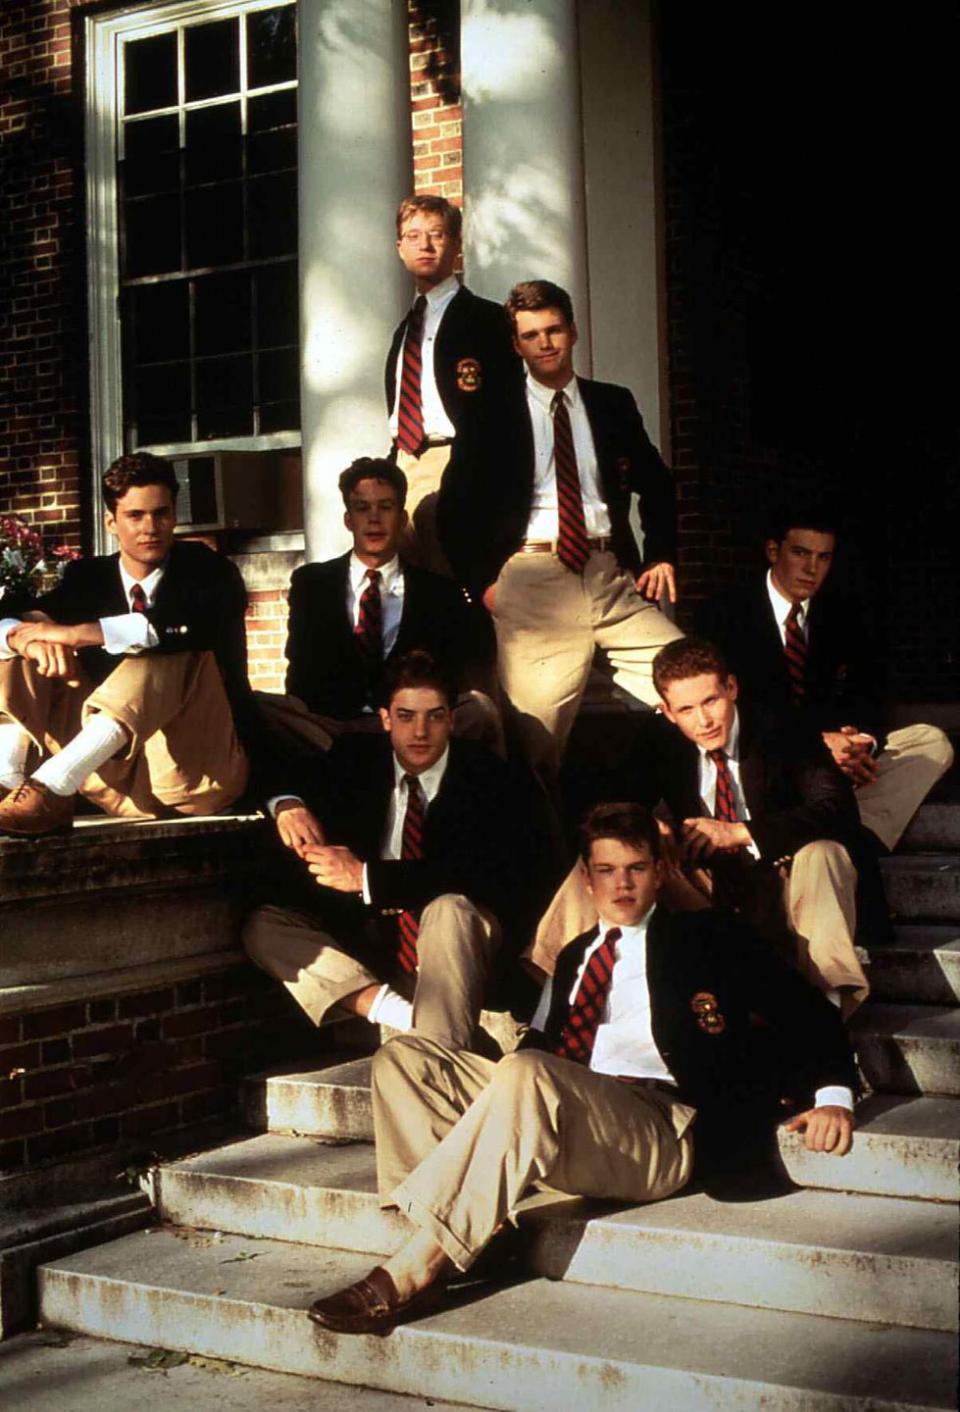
x,y
834,1096
366,888
7,625
275,800
127,633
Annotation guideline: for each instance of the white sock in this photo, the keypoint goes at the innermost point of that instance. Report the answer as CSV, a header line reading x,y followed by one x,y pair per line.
x,y
66,771
14,744
391,1009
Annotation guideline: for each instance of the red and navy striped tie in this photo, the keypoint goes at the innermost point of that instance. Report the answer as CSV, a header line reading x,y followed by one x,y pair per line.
x,y
725,806
408,927
579,1034
573,549
369,629
795,648
410,410
138,599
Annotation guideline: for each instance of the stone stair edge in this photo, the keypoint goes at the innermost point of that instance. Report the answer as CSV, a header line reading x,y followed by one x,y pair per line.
x,y
520,1348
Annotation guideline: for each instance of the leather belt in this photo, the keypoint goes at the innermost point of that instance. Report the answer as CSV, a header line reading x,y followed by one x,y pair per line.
x,y
427,444
599,543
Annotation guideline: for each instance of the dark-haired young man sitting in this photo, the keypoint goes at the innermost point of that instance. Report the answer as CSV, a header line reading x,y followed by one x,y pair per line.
x,y
352,616
399,875
129,678
640,1064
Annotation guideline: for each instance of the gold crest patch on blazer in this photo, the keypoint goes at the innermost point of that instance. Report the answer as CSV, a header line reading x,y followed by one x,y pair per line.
x,y
469,376
707,1012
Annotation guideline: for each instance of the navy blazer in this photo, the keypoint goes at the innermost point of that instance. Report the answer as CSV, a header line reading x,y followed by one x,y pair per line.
x,y
485,504
200,605
325,667
709,975
843,685
474,364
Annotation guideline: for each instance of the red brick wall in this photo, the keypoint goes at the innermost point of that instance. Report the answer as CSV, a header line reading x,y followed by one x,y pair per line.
x,y
121,1069
266,637
434,94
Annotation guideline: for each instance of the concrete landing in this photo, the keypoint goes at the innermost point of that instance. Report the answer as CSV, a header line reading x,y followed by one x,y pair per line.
x,y
909,1048
524,1348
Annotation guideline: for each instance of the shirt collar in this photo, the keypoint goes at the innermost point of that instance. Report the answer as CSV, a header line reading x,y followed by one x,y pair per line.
x,y
732,747
390,573
781,606
635,933
430,780
148,584
544,395
440,295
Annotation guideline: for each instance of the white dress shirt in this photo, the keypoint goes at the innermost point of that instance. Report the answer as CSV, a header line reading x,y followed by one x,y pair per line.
x,y
435,419
123,633
624,1041
544,520
708,779
391,597
781,609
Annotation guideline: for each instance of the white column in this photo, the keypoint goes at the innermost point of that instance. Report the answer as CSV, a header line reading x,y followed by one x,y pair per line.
x,y
523,151
355,168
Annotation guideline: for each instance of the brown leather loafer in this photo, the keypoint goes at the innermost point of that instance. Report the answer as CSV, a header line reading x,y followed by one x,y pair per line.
x,y
32,809
372,1306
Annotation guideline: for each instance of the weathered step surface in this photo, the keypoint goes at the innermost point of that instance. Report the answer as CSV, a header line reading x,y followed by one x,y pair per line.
x,y
934,828
921,967
872,1258
527,1347
36,1369
909,1048
905,1146
333,1102
923,886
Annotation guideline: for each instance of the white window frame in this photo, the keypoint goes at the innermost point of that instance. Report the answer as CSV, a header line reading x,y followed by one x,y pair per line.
x,y
104,37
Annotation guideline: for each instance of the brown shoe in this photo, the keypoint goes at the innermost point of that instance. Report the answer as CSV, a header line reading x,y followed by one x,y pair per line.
x,y
33,809
372,1306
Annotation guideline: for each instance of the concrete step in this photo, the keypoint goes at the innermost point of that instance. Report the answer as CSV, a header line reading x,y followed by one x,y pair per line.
x,y
909,1048
525,1347
933,828
921,967
333,1102
102,1376
864,1257
923,887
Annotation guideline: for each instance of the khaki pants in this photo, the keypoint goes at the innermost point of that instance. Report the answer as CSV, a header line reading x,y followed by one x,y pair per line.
x,y
420,543
455,949
183,752
461,1139
908,767
818,895
548,622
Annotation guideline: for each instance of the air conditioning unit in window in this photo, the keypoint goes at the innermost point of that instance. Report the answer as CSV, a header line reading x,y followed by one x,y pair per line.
x,y
247,490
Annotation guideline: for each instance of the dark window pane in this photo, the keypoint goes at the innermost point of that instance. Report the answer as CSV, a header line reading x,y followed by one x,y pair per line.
x,y
278,305
214,223
201,475
152,156
272,110
224,396
272,215
272,151
162,404
222,314
271,46
150,73
213,143
151,243
212,59
279,374
160,322
279,416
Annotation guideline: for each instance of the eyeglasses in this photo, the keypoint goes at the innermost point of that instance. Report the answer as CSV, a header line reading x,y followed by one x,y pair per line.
x,y
420,237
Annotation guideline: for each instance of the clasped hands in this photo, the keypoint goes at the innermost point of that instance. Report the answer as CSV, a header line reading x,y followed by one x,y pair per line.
x,y
331,865
50,646
703,837
851,749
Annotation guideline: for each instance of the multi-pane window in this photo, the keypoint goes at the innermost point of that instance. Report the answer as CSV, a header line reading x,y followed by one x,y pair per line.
x,y
206,192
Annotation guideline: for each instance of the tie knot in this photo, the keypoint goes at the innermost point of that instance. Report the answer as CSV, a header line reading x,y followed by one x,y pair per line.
x,y
137,597
794,615
719,757
419,304
413,785
374,576
559,401
613,935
